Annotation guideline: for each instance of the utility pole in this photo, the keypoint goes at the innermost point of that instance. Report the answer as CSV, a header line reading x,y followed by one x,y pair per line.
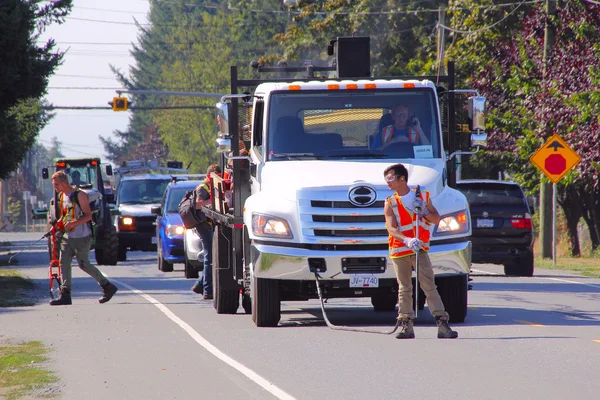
x,y
545,186
440,40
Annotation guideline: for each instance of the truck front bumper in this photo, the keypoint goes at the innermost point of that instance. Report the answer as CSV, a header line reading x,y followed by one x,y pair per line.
x,y
276,262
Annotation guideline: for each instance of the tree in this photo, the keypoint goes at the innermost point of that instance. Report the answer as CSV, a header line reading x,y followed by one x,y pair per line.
x,y
25,69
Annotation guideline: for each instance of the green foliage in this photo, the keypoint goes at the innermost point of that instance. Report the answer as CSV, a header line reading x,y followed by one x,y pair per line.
x,y
24,72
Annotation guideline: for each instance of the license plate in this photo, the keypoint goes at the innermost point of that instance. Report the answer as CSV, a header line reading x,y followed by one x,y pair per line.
x,y
485,223
364,281
154,240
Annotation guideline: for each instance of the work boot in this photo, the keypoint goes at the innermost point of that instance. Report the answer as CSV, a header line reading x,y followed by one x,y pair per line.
x,y
444,331
108,291
406,329
64,299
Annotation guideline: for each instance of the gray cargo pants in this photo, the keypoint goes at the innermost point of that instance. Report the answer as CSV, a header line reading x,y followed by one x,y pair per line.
x,y
80,249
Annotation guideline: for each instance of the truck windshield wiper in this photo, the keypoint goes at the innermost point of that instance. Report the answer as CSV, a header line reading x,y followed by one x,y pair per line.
x,y
297,155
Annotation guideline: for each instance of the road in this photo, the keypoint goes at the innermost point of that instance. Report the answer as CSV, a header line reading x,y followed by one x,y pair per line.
x,y
524,338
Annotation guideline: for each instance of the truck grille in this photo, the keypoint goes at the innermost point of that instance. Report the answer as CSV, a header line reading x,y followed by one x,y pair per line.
x,y
336,220
145,224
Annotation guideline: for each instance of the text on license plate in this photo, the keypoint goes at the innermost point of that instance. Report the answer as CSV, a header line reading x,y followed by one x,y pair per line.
x,y
485,223
364,281
154,240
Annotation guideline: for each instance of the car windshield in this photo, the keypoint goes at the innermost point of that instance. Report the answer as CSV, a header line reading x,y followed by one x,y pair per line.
x,y
174,198
142,191
388,124
492,194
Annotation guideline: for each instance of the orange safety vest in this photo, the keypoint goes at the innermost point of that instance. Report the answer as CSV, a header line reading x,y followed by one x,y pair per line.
x,y
407,220
388,131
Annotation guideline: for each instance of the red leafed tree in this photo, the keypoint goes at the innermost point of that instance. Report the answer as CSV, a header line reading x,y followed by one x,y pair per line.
x,y
530,103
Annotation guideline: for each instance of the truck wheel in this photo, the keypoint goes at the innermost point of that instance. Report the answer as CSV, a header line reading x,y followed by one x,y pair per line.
x,y
247,303
384,302
122,253
266,304
226,291
163,265
191,272
99,254
523,267
453,291
111,247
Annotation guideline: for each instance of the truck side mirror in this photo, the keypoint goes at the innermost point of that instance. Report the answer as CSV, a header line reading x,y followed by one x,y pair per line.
x,y
479,140
223,145
156,210
109,170
44,173
477,113
223,119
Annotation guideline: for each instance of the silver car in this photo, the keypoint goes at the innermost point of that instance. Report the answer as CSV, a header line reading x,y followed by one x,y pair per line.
x,y
193,254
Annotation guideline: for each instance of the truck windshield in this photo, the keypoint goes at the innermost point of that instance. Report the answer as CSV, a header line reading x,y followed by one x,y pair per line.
x,y
387,124
82,175
141,191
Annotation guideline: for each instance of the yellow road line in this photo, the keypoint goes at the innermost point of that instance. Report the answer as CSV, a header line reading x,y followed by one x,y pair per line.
x,y
527,322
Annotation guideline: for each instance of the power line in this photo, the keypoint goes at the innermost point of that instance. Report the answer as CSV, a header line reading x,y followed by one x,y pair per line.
x,y
52,108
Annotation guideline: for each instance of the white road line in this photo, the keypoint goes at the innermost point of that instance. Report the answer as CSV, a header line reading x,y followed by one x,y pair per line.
x,y
253,376
547,278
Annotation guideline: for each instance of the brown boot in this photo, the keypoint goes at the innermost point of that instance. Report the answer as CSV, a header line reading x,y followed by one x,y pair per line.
x,y
108,291
406,329
444,331
64,299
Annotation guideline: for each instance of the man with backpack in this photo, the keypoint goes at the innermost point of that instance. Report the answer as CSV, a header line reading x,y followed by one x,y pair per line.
x,y
204,230
73,220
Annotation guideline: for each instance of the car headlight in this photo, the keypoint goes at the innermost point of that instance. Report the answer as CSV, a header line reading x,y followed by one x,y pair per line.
x,y
269,226
174,230
126,221
453,224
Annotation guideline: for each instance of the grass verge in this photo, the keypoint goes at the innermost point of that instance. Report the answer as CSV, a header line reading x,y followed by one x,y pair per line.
x,y
584,266
14,288
20,370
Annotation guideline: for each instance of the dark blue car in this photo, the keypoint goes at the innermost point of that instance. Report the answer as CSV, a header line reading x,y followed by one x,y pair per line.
x,y
169,227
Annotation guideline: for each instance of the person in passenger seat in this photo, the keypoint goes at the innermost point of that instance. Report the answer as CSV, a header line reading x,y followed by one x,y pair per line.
x,y
406,128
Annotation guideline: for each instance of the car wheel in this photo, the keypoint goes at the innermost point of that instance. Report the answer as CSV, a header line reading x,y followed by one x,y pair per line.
x,y
163,265
191,272
522,267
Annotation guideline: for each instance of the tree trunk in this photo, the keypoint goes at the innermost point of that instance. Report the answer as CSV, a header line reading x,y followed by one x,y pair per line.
x,y
591,216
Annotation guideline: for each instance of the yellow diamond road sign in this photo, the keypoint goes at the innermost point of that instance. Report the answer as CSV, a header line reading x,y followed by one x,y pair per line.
x,y
555,158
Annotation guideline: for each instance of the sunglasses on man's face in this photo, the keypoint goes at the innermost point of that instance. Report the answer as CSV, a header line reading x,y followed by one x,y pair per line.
x,y
391,178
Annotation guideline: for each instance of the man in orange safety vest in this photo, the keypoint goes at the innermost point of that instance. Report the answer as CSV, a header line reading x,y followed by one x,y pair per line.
x,y
403,210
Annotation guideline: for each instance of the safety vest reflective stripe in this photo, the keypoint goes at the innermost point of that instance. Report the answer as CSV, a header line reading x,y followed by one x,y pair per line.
x,y
65,210
413,134
406,221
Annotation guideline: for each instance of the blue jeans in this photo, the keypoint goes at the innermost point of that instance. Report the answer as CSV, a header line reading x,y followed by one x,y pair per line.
x,y
205,232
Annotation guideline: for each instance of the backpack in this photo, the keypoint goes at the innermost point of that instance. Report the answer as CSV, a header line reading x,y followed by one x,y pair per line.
x,y
94,198
187,211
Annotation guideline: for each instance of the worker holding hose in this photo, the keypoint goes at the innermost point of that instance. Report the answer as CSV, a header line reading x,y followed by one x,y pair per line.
x,y
409,217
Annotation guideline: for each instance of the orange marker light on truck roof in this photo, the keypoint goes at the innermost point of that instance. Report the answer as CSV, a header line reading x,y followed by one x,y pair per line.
x,y
370,86
294,87
61,164
351,86
409,85
333,86
94,162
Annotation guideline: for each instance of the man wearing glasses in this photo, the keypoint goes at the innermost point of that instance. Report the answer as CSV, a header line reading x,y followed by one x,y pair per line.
x,y
403,210
406,128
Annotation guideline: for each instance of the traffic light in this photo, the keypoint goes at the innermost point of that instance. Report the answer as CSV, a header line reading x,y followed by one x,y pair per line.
x,y
119,104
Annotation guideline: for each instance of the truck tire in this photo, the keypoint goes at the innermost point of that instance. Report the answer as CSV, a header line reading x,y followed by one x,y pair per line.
x,y
111,247
226,291
384,302
266,304
453,291
523,267
190,271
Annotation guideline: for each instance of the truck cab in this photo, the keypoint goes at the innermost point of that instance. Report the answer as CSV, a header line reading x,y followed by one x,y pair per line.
x,y
313,210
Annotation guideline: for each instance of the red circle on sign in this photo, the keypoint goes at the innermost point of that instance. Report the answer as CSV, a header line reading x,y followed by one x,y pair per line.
x,y
555,164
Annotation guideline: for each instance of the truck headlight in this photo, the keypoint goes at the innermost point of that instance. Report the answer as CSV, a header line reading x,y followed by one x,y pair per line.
x,y
452,224
269,226
174,230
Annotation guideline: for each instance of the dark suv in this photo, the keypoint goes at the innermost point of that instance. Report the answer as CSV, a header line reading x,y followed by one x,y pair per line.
x,y
502,232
